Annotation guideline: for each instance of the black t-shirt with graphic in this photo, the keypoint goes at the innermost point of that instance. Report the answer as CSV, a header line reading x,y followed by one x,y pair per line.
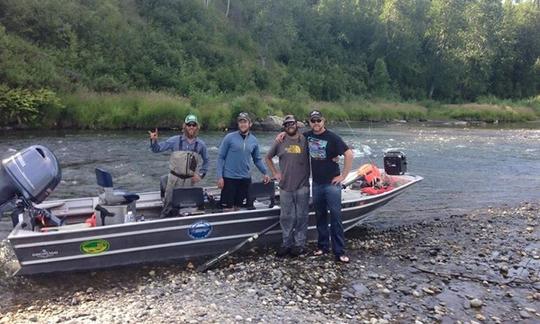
x,y
322,149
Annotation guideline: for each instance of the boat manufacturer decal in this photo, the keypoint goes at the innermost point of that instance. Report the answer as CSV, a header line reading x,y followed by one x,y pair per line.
x,y
95,246
43,254
200,230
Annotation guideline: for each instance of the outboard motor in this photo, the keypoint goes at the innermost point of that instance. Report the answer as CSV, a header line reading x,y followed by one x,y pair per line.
x,y
32,173
31,176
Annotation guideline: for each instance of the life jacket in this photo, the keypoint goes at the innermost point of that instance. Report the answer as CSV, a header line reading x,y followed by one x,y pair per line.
x,y
371,174
375,191
373,184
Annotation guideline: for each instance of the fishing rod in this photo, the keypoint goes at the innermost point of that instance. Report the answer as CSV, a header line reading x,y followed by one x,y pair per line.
x,y
371,162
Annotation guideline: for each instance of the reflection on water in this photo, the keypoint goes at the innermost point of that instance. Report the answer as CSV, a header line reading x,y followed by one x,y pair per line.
x,y
463,168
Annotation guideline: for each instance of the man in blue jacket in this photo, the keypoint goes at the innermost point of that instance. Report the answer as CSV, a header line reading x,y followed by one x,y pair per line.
x,y
233,164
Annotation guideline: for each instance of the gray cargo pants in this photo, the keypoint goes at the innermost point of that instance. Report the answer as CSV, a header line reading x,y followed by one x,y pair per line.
x,y
294,216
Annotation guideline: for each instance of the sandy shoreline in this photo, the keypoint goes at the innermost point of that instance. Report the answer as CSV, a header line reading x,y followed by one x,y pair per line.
x,y
480,266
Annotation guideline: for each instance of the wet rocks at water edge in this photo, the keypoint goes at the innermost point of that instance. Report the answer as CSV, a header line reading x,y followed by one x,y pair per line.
x,y
479,267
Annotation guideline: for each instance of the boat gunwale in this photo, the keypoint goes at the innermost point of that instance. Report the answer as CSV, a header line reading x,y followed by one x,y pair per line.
x,y
185,243
17,232
381,198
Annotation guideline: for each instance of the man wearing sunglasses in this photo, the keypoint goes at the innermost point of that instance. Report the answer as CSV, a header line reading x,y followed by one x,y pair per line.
x,y
188,150
293,180
324,147
233,164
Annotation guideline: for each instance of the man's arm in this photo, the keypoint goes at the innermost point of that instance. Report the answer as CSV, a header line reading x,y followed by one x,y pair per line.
x,y
163,146
257,159
347,165
222,154
268,159
204,155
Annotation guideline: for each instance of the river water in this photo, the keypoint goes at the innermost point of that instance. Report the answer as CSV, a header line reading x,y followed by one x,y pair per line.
x,y
463,169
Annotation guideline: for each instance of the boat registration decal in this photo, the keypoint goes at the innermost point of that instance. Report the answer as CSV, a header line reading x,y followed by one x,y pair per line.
x,y
200,230
94,246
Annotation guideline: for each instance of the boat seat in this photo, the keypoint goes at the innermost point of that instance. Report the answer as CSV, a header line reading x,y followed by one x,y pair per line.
x,y
113,196
188,197
261,191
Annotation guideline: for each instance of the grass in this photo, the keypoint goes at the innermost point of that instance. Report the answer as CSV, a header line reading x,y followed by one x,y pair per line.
x,y
146,110
127,110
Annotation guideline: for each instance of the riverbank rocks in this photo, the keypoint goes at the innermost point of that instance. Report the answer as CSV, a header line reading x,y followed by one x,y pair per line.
x,y
384,286
272,123
476,303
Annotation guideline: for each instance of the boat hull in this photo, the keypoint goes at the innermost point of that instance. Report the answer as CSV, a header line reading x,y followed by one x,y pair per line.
x,y
164,239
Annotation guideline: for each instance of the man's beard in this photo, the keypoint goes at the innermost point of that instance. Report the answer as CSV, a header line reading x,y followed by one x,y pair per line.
x,y
291,133
190,135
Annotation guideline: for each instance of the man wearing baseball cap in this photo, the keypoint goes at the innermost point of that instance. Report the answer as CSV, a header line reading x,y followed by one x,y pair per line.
x,y
293,177
188,149
233,164
324,147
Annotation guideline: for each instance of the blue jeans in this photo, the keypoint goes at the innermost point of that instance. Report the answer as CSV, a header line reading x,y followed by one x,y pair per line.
x,y
327,197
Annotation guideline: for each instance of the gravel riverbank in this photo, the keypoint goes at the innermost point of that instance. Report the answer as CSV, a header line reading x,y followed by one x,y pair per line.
x,y
483,266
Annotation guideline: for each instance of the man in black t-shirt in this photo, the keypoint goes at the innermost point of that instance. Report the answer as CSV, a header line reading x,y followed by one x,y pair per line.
x,y
324,146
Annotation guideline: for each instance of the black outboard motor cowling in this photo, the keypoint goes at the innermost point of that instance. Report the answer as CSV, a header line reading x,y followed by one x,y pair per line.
x,y
32,173
395,163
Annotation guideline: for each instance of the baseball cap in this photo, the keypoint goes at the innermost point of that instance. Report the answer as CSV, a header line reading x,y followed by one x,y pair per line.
x,y
191,119
243,116
315,114
288,119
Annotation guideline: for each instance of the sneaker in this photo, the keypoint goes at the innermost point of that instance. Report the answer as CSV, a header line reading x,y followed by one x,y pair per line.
x,y
297,251
282,252
342,259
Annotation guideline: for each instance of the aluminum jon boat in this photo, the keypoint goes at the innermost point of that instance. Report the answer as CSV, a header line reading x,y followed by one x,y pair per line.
x,y
86,239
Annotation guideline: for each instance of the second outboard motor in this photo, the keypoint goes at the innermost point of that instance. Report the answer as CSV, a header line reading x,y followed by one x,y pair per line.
x,y
395,163
32,174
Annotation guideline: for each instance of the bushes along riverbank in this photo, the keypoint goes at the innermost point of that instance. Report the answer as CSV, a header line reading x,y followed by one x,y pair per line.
x,y
138,110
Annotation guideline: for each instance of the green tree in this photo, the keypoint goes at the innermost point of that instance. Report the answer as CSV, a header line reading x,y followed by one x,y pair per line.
x,y
380,80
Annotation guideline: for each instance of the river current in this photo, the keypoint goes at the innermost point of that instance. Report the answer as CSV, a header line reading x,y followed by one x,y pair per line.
x,y
464,168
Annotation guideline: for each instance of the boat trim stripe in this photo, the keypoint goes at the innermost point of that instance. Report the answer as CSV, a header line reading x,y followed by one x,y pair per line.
x,y
139,232
136,249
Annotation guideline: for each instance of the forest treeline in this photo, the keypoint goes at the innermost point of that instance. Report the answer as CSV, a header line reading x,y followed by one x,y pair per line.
x,y
450,51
